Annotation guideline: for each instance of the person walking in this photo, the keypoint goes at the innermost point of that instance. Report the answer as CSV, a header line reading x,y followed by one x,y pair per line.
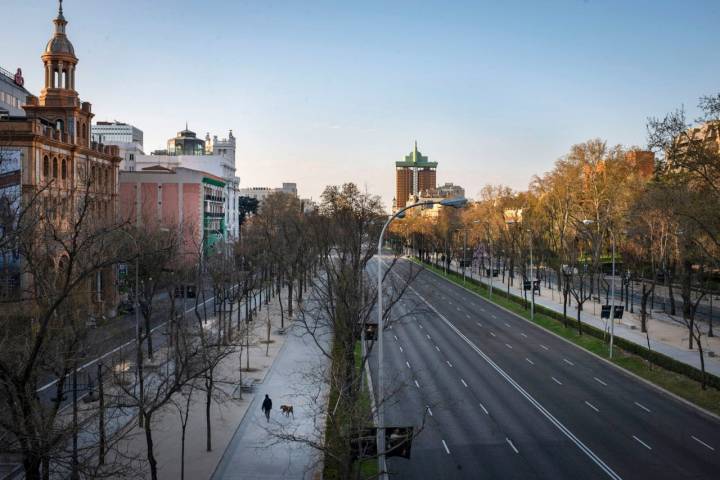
x,y
267,406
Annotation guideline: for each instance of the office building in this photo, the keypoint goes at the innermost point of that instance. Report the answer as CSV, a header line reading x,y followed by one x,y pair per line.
x,y
413,175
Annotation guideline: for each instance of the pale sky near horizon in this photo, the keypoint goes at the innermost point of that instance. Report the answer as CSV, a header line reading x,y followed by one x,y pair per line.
x,y
324,92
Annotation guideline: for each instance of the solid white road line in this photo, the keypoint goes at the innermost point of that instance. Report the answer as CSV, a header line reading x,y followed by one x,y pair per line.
x,y
463,382
529,361
417,384
701,442
484,409
408,365
568,362
537,405
446,448
642,443
543,346
556,380
525,336
600,381
448,362
509,346
591,406
643,407
511,445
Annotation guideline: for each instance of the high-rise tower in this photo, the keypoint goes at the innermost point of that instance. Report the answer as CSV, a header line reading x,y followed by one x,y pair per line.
x,y
412,176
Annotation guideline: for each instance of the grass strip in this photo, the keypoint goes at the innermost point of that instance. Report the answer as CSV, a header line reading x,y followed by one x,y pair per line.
x,y
674,382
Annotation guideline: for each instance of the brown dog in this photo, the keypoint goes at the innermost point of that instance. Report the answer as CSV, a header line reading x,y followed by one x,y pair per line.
x,y
287,410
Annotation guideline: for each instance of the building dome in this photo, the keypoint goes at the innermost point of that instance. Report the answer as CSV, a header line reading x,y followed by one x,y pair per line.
x,y
60,44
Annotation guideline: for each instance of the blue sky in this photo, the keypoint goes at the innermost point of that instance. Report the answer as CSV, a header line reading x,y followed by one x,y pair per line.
x,y
321,92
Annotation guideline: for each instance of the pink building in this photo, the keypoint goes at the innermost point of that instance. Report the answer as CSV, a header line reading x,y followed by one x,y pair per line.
x,y
175,198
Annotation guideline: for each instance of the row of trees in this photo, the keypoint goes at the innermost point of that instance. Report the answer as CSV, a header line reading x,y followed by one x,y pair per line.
x,y
663,222
192,305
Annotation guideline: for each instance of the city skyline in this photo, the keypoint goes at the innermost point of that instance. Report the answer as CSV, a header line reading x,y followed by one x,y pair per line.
x,y
345,90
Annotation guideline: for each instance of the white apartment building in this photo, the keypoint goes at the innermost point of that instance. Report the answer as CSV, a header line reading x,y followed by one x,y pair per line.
x,y
261,192
127,138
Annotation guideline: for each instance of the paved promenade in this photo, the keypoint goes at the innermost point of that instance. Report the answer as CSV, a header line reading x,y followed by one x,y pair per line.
x,y
255,452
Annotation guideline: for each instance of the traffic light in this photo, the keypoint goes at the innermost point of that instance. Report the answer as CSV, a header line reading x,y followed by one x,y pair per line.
x,y
398,441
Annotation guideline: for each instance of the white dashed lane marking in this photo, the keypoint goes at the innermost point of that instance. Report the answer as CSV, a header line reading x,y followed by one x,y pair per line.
x,y
509,346
507,325
642,406
600,381
568,362
479,324
530,361
484,409
429,411
437,348
491,333
449,364
701,442
642,443
446,447
395,337
408,365
511,445
417,384
463,382
524,336
556,380
591,406
428,337
401,350
543,346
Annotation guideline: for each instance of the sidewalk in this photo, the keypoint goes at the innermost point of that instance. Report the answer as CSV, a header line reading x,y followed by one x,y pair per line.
x,y
255,451
666,338
226,416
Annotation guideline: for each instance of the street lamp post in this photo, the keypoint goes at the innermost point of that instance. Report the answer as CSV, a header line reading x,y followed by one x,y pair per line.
x,y
532,283
612,288
448,202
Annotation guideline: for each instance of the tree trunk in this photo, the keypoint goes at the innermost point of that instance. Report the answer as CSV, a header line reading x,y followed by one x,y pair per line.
x,y
148,333
150,450
208,403
290,299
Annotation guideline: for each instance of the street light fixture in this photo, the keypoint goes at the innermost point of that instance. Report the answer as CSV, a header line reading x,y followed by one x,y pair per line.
x,y
445,202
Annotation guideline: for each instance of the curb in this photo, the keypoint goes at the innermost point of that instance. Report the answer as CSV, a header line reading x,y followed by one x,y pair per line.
x,y
660,389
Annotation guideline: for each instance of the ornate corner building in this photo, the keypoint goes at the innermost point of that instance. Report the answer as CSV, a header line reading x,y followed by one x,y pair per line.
x,y
48,152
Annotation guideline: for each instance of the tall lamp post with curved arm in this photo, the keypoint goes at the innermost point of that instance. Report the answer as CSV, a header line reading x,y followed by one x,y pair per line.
x,y
446,202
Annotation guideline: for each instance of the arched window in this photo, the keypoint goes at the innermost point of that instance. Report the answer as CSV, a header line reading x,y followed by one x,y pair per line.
x,y
64,79
55,168
63,169
46,167
56,79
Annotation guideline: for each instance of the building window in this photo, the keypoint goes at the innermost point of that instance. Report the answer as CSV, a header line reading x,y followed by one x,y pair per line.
x,y
63,169
55,168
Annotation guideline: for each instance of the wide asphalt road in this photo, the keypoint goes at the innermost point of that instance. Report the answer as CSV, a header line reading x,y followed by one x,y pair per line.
x,y
499,397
